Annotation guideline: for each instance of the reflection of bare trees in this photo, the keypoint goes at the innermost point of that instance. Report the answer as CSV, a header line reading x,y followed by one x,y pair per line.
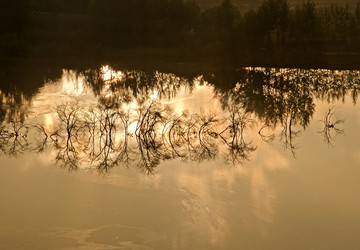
x,y
288,134
233,135
265,136
331,129
162,135
104,133
148,138
40,144
276,97
101,137
113,134
13,137
68,147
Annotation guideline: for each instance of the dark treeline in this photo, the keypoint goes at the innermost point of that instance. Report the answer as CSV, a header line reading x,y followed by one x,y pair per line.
x,y
81,27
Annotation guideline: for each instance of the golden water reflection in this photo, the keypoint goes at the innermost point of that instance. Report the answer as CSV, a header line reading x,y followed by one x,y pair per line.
x,y
105,118
221,160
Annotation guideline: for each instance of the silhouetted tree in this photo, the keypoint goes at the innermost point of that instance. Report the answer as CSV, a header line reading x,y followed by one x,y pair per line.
x,y
273,17
305,25
219,29
357,21
336,26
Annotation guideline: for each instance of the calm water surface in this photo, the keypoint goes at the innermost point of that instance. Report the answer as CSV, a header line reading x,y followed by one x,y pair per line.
x,y
110,158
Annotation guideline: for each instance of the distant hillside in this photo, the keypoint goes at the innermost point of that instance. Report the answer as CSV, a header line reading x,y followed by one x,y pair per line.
x,y
244,5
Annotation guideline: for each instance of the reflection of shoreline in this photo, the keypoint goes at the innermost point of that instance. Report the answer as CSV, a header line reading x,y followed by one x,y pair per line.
x,y
132,108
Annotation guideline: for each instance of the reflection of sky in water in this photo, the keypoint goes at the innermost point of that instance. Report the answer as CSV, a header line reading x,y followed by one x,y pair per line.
x,y
272,201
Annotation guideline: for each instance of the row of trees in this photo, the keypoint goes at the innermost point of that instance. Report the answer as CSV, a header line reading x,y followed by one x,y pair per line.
x,y
278,27
273,27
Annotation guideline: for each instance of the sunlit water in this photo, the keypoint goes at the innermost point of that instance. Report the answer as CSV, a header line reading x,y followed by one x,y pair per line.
x,y
110,159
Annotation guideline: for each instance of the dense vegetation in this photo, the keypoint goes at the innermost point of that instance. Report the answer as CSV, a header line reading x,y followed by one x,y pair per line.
x,y
77,27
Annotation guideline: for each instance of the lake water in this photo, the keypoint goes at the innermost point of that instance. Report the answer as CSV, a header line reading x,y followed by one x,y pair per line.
x,y
111,158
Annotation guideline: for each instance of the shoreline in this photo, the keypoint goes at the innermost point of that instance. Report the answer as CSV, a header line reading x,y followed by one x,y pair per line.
x,y
177,61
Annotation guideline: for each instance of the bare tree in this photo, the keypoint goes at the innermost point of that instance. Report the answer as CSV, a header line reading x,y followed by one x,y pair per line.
x,y
330,129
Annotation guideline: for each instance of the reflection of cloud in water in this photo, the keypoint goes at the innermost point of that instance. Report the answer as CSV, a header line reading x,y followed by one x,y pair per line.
x,y
205,214
71,83
48,122
200,189
263,194
104,237
201,97
194,194
69,86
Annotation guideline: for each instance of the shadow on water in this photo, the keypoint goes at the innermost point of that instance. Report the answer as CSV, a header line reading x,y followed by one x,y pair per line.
x,y
132,124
